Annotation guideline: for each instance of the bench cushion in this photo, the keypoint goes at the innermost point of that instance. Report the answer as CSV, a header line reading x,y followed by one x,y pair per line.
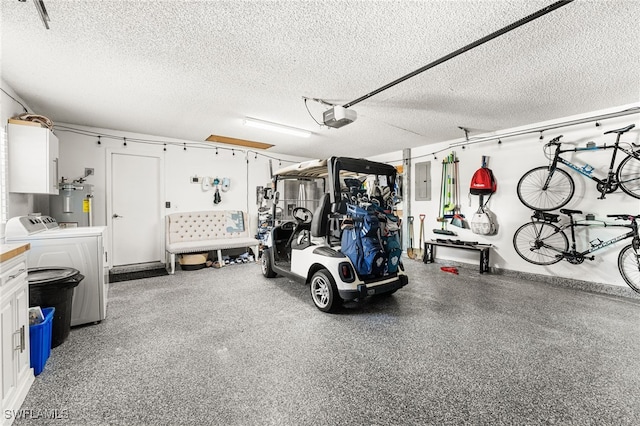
x,y
206,245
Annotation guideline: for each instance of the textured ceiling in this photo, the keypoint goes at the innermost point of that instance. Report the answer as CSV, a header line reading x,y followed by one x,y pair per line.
x,y
188,69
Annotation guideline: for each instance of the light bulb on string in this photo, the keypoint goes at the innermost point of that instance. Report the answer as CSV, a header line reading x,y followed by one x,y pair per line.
x,y
164,148
125,141
99,142
185,147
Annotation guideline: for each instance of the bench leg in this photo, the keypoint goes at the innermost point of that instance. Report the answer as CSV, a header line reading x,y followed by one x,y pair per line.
x,y
484,261
220,261
172,260
256,253
429,253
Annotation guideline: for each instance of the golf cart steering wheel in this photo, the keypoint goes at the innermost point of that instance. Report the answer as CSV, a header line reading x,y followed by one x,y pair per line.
x,y
302,215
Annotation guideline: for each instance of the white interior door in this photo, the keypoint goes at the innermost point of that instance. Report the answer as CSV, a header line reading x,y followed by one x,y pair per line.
x,y
135,212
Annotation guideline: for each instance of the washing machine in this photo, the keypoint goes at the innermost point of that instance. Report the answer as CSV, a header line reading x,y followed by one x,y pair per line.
x,y
81,248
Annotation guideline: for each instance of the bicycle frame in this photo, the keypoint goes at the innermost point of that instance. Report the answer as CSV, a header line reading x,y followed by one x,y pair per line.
x,y
572,225
586,173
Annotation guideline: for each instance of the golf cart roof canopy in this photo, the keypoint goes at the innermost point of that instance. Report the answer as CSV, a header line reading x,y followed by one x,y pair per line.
x,y
344,165
311,169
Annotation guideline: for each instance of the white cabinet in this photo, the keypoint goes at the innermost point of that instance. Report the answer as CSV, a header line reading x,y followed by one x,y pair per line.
x,y
16,374
33,159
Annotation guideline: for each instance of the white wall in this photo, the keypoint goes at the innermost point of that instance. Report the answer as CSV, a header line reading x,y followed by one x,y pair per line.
x,y
509,161
80,151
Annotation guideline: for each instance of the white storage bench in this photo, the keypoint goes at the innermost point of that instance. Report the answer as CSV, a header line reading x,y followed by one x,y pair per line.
x,y
194,232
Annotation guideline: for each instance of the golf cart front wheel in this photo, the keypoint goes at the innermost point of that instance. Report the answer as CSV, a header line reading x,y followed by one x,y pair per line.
x,y
324,291
267,268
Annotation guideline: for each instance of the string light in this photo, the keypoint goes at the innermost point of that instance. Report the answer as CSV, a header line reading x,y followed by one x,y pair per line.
x,y
125,142
541,137
499,141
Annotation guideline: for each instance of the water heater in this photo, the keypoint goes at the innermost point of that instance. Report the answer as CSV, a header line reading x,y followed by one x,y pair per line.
x,y
72,207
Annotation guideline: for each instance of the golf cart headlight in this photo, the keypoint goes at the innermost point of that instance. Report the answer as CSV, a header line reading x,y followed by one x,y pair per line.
x,y
347,274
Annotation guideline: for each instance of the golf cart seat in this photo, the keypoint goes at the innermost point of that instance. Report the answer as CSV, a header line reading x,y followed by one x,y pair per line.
x,y
324,226
320,221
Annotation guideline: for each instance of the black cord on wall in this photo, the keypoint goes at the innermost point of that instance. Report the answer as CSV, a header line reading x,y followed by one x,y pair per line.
x,y
15,100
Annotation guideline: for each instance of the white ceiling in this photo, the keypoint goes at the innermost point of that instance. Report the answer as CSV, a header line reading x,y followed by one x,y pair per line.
x,y
188,69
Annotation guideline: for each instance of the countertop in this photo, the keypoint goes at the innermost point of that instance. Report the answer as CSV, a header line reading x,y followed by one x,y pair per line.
x,y
11,250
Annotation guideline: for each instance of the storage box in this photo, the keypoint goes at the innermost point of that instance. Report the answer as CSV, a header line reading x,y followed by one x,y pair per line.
x,y
40,341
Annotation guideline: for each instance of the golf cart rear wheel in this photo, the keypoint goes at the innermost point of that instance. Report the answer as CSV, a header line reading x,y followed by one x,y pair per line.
x,y
267,270
324,291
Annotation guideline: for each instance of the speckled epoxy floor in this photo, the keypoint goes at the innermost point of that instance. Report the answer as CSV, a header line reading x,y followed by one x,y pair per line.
x,y
229,347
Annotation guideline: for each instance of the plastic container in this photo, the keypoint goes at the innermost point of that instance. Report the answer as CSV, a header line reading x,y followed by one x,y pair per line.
x,y
40,341
54,287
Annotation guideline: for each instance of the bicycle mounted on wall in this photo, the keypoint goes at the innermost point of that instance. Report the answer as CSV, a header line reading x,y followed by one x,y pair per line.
x,y
541,242
547,188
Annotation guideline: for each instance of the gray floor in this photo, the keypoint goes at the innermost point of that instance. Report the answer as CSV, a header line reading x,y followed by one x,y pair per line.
x,y
229,347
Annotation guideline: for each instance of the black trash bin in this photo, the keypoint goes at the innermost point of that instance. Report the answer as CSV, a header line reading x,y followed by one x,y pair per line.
x,y
53,287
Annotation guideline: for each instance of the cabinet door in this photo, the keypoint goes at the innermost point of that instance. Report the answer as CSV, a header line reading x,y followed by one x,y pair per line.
x,y
7,319
33,160
22,326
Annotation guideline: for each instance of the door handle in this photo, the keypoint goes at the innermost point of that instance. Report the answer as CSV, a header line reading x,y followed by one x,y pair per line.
x,y
55,184
15,275
115,216
20,346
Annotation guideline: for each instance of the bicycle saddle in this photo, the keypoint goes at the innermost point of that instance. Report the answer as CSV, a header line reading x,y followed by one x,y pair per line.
x,y
570,212
623,130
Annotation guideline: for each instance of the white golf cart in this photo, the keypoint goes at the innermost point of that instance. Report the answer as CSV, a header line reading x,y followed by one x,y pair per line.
x,y
310,208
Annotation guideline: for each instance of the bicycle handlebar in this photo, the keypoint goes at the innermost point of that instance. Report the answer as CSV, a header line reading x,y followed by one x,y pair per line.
x,y
555,141
624,216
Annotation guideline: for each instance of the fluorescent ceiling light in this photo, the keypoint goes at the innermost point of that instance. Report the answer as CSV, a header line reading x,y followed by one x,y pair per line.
x,y
274,127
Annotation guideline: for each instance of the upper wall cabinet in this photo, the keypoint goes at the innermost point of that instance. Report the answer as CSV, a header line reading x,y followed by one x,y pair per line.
x,y
33,160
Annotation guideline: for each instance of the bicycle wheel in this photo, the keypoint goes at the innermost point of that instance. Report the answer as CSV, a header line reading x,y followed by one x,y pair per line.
x,y
540,243
557,194
629,267
628,175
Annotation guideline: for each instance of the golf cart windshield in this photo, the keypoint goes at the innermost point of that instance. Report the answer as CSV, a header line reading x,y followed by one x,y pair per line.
x,y
345,179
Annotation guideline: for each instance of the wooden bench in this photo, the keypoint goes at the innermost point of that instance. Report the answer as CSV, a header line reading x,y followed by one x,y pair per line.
x,y
484,249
